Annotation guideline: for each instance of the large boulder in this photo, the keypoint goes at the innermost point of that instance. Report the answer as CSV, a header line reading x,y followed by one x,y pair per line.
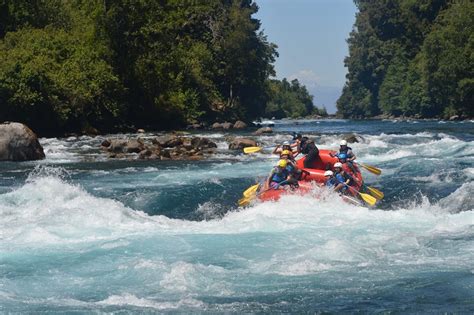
x,y
240,125
165,147
227,125
216,125
202,143
168,141
352,138
19,143
105,143
264,130
240,143
116,145
135,146
195,126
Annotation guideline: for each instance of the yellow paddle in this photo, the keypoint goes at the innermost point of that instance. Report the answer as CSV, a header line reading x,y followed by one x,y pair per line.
x,y
251,190
375,192
245,201
371,169
366,197
249,150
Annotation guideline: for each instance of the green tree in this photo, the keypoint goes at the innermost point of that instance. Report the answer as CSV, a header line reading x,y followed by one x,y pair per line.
x,y
67,65
290,99
410,57
449,67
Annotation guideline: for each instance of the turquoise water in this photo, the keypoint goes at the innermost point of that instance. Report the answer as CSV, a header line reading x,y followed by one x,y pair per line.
x,y
80,233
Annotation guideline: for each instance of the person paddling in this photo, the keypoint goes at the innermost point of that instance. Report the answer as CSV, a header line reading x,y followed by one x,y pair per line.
x,y
295,172
280,148
308,147
278,176
346,155
331,181
344,180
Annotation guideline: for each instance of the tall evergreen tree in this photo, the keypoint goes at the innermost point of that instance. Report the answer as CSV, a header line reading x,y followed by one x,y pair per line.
x,y
410,58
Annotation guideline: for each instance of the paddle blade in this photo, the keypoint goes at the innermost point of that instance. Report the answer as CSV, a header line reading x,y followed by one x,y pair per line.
x,y
375,192
370,200
252,190
371,169
243,202
249,150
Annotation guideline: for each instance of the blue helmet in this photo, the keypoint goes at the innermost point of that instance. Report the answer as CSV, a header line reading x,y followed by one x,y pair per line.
x,y
342,156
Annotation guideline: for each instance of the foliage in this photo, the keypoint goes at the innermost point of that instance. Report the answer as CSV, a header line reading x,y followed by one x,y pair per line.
x,y
51,78
290,99
67,65
410,58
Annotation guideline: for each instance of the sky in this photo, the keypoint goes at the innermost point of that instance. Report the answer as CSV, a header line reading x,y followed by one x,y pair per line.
x,y
311,37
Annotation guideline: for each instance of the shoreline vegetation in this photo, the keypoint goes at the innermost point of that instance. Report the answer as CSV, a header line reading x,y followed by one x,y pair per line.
x,y
105,66
410,58
97,67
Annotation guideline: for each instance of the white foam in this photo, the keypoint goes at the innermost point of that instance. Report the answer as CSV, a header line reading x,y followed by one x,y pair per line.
x,y
435,178
48,210
208,210
185,277
469,172
132,300
460,200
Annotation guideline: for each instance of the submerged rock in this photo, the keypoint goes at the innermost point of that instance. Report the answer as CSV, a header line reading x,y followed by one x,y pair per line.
x,y
135,146
164,148
105,143
263,130
202,143
195,126
168,141
216,125
227,126
19,143
352,138
240,143
240,125
116,145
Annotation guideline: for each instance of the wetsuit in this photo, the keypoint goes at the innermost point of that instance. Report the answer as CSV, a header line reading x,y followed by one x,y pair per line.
x,y
312,153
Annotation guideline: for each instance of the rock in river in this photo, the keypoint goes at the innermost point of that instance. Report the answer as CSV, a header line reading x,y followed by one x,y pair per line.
x,y
19,143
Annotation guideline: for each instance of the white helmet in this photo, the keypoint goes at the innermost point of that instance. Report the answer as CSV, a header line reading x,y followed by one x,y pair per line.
x,y
328,173
343,142
286,143
338,164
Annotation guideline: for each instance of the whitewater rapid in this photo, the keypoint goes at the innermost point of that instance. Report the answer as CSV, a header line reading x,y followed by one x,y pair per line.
x,y
55,232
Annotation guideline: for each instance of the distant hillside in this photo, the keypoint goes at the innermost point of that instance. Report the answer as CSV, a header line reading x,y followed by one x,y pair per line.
x,y
410,58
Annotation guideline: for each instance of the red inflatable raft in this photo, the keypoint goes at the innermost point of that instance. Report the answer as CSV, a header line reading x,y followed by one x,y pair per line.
x,y
315,173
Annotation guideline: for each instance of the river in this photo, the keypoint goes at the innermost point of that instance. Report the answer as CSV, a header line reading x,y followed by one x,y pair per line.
x,y
82,233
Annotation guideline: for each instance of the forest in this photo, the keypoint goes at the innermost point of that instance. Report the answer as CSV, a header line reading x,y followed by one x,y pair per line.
x,y
411,58
101,65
